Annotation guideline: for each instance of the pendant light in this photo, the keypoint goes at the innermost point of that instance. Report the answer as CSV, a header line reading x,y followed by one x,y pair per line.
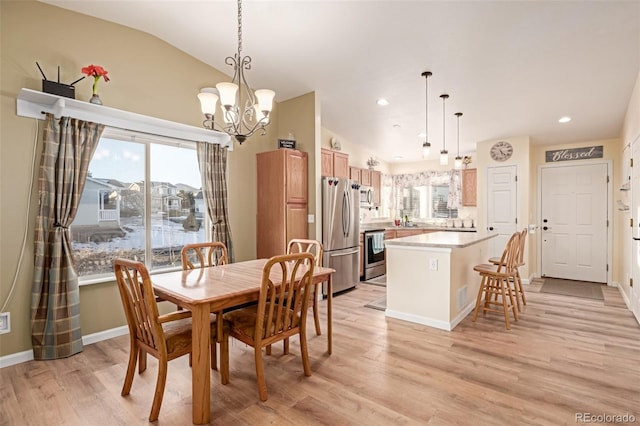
x,y
426,146
457,164
444,154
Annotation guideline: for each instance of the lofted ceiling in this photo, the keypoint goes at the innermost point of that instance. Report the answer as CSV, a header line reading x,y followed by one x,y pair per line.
x,y
513,68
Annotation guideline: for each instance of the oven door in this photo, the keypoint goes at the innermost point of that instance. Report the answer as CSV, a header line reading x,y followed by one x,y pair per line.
x,y
374,259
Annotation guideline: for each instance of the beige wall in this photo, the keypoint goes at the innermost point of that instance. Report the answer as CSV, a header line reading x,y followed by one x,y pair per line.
x,y
298,118
148,76
358,153
630,134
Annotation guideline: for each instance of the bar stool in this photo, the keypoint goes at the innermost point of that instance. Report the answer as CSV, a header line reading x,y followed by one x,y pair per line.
x,y
495,286
517,282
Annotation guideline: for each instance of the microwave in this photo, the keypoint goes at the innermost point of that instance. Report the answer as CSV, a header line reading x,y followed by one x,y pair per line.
x,y
366,197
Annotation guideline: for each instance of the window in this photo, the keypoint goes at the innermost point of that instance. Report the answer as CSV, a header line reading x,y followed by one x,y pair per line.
x,y
426,202
421,196
142,200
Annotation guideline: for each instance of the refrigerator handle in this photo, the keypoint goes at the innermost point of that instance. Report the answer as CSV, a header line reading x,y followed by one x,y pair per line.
x,y
349,253
345,211
347,196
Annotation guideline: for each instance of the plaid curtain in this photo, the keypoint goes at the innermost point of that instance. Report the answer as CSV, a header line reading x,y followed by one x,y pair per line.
x,y
69,145
212,161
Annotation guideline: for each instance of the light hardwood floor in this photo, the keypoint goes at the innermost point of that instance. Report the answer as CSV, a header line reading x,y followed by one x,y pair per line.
x,y
564,356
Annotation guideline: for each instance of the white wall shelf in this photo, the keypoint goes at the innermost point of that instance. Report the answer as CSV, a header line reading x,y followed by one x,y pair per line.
x,y
33,104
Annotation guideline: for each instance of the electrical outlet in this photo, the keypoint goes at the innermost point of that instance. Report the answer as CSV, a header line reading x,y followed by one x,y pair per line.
x,y
311,218
433,264
5,322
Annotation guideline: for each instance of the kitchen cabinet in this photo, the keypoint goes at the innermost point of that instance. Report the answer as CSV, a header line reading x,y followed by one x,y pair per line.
x,y
376,183
365,177
469,187
354,174
389,234
282,187
334,163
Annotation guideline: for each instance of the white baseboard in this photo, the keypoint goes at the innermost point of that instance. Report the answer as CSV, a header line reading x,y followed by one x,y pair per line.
x,y
20,357
624,297
442,325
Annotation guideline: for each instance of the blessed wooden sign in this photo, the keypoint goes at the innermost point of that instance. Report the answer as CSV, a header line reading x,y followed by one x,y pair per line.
x,y
572,154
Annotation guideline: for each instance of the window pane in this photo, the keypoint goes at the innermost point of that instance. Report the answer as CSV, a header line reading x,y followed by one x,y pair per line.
x,y
112,217
177,206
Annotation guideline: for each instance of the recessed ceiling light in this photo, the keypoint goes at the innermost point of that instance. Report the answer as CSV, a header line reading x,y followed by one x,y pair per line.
x,y
396,126
382,102
564,119
398,157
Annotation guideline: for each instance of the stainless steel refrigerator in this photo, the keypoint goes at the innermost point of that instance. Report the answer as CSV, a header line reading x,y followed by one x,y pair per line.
x,y
341,231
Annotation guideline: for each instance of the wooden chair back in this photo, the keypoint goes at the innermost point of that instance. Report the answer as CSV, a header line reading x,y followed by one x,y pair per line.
x,y
139,304
520,258
199,255
298,245
284,297
508,260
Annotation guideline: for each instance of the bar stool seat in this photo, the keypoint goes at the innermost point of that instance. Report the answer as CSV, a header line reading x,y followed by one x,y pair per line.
x,y
517,281
495,286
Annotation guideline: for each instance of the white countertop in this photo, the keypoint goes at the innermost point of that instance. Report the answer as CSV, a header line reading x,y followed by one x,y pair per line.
x,y
441,239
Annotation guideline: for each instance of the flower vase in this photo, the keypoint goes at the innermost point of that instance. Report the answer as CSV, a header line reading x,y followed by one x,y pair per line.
x,y
95,99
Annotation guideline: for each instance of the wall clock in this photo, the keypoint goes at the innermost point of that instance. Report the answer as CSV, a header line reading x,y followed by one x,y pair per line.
x,y
501,151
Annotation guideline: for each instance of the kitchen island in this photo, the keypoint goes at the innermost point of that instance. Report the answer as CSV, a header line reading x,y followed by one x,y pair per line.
x,y
430,277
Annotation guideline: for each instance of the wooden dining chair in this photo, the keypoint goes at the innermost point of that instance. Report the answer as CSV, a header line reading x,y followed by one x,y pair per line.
x,y
165,337
211,253
314,247
495,286
200,255
517,282
281,311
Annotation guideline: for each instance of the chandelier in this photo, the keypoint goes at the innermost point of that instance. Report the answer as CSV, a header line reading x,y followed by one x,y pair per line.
x,y
243,111
426,146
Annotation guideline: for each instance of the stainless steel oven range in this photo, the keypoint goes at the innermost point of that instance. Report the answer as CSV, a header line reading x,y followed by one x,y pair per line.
x,y
374,262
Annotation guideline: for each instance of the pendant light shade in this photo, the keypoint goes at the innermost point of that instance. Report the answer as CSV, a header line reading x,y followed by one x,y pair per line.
x,y
426,146
457,164
444,154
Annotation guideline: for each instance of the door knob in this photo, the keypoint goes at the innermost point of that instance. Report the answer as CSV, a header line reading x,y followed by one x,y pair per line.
x,y
491,228
544,228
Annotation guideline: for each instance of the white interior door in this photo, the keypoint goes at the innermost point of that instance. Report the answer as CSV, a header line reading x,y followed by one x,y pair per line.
x,y
574,222
502,215
635,234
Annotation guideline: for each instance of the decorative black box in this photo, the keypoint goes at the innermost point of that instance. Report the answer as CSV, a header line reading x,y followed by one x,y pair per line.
x,y
286,143
59,89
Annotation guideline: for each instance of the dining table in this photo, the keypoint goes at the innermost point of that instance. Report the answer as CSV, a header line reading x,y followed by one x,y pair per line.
x,y
212,289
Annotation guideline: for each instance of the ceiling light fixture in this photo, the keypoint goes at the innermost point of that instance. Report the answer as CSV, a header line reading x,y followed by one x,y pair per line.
x,y
444,154
251,112
564,119
457,164
382,102
426,146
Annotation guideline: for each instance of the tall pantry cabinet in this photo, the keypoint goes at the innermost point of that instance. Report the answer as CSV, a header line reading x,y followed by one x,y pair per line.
x,y
282,200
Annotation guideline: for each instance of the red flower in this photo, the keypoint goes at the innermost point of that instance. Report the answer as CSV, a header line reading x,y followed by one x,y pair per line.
x,y
96,72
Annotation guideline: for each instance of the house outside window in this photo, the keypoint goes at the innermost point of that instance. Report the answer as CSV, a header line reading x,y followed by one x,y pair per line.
x,y
120,215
